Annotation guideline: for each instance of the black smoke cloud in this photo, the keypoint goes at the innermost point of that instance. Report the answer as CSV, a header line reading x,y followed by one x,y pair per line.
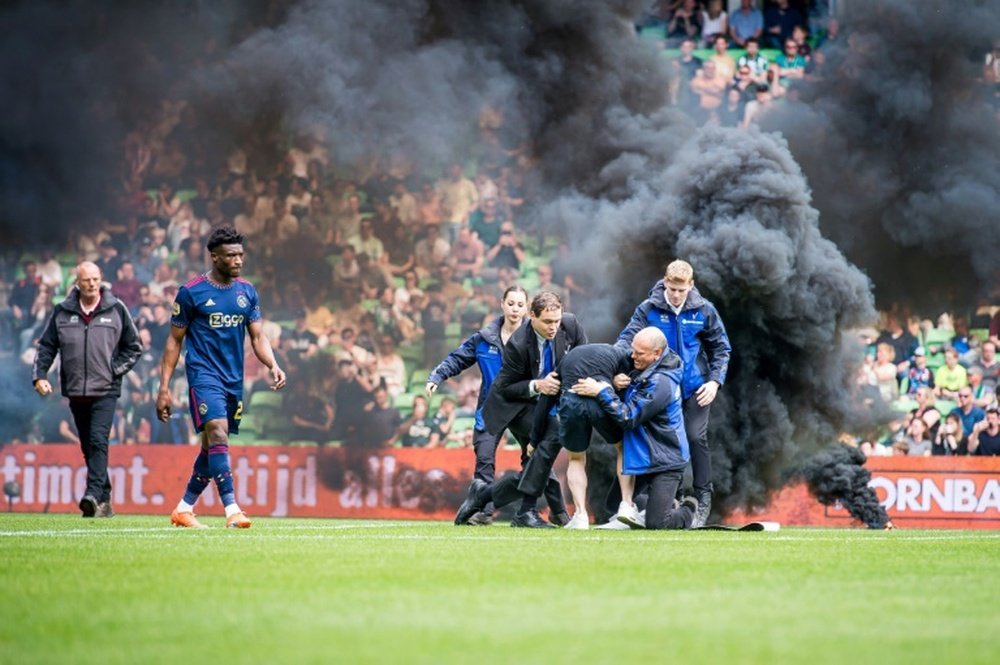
x,y
630,183
899,141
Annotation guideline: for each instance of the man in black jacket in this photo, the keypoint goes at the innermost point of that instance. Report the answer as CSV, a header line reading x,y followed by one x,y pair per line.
x,y
530,358
98,343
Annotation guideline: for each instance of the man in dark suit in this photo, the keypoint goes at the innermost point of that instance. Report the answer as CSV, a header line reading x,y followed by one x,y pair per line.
x,y
530,358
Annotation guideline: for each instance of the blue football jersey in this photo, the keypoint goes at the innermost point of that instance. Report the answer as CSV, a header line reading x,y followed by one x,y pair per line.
x,y
216,318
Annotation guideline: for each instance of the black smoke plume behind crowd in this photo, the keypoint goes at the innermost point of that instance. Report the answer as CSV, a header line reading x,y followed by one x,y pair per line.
x,y
899,141
629,182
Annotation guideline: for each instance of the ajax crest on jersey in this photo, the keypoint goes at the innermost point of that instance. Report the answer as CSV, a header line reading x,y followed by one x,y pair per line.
x,y
242,301
203,408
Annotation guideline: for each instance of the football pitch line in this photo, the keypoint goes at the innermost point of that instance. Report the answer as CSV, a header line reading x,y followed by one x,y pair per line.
x,y
274,531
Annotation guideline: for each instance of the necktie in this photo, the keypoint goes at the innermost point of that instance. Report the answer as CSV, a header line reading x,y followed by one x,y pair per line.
x,y
548,359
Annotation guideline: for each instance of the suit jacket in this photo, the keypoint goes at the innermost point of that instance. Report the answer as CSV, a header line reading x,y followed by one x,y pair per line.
x,y
509,395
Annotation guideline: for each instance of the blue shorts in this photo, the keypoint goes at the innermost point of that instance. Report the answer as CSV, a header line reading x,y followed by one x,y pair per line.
x,y
579,417
214,402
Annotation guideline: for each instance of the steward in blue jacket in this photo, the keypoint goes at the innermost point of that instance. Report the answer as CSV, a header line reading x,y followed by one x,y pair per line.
x,y
694,331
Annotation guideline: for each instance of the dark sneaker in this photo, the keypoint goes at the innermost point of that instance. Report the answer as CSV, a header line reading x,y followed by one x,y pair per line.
x,y
104,509
88,506
530,520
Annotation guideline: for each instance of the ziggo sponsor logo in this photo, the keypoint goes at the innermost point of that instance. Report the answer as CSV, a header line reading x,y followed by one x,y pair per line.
x,y
220,320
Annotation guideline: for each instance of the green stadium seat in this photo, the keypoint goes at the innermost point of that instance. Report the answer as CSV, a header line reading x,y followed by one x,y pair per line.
x,y
945,406
404,401
464,423
266,399
982,334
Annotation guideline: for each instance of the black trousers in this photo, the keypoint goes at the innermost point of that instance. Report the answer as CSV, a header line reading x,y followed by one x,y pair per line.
x,y
536,477
485,446
661,489
696,428
93,421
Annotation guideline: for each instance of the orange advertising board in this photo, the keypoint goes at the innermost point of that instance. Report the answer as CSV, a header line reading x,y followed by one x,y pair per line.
x,y
917,492
398,483
414,483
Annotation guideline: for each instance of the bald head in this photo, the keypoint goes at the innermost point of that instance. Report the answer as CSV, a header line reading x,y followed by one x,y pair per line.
x,y
647,347
88,281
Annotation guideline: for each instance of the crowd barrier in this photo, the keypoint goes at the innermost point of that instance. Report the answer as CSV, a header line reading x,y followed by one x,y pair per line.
x,y
415,483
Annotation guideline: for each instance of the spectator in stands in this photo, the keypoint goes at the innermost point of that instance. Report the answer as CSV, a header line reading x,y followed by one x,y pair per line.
x,y
685,24
351,398
508,252
459,198
950,439
311,415
347,272
418,431
406,206
980,396
364,360
372,279
951,377
754,61
455,294
995,328
444,419
349,220
709,86
745,24
485,223
962,343
389,366
713,22
434,319
50,272
919,374
755,108
299,344
725,64
730,114
689,63
967,412
398,257
192,259
22,296
926,410
35,318
107,260
791,65
885,372
989,365
431,252
903,343
779,21
126,287
366,242
299,199
917,442
800,35
380,421
985,437
319,319
468,254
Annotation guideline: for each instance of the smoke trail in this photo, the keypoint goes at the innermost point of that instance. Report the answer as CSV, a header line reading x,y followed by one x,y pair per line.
x,y
836,474
899,141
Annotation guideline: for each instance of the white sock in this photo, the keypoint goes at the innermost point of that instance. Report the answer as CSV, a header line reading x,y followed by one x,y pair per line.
x,y
232,509
184,507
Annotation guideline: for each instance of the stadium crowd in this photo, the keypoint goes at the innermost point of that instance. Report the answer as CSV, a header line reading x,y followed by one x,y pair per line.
x,y
370,274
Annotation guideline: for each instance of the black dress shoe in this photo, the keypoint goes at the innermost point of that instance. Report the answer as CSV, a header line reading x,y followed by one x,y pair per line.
x,y
104,509
530,520
88,506
473,503
559,519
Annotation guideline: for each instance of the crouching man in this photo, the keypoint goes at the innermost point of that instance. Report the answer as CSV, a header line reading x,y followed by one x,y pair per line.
x,y
655,447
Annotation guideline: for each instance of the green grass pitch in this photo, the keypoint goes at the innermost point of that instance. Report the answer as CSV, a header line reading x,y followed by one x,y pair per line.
x,y
135,590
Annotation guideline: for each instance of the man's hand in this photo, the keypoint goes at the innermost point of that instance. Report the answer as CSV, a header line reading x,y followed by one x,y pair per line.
x,y
277,378
163,405
621,381
706,394
589,387
430,388
43,387
549,385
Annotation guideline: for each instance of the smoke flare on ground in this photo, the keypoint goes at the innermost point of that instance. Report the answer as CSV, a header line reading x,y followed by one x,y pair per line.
x,y
836,474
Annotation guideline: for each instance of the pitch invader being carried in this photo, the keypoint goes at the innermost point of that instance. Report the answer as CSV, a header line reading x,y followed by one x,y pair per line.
x,y
214,312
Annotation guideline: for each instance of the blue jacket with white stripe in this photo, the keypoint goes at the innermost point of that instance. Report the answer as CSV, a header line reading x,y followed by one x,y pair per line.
x,y
651,415
697,335
483,347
